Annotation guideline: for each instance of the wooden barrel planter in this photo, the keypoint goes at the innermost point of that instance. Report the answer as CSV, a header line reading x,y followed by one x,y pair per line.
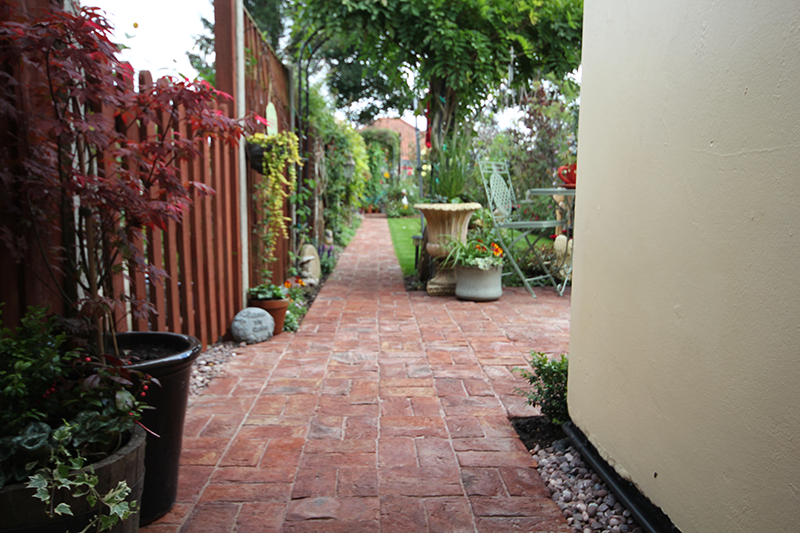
x,y
20,512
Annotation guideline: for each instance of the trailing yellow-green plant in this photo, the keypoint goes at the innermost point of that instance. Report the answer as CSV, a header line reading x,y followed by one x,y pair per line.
x,y
279,152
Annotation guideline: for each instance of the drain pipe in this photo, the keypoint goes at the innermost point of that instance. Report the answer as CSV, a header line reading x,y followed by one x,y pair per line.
x,y
648,515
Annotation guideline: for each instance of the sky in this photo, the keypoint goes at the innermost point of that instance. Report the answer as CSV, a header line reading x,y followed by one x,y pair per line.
x,y
165,32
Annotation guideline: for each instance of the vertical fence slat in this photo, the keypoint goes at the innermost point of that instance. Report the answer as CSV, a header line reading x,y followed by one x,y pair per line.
x,y
155,243
185,252
118,313
138,288
217,211
207,245
172,284
233,255
196,247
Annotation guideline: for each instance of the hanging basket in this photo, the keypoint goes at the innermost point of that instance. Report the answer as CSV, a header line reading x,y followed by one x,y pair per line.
x,y
255,154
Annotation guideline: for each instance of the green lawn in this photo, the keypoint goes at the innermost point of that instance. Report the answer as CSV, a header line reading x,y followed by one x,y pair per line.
x,y
402,230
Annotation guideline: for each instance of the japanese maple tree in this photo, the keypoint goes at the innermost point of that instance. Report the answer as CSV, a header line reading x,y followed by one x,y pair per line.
x,y
81,188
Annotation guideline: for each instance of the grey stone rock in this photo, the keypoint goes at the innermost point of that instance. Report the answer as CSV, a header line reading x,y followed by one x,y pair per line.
x,y
561,445
252,325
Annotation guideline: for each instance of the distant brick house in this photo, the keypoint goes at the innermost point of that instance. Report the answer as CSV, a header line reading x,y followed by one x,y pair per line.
x,y
408,143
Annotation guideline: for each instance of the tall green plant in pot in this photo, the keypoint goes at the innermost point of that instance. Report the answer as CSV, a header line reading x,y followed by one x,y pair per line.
x,y
90,164
452,172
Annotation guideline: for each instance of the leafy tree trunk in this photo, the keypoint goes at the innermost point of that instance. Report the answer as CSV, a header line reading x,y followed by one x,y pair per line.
x,y
443,118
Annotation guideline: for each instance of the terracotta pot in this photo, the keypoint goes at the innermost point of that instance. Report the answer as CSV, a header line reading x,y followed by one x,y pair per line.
x,y
21,512
478,285
446,223
276,308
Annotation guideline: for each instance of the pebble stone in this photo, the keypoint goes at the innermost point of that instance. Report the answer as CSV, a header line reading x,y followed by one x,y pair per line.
x,y
583,498
210,364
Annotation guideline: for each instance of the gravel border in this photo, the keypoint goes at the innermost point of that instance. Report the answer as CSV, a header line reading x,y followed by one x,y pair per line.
x,y
579,492
210,364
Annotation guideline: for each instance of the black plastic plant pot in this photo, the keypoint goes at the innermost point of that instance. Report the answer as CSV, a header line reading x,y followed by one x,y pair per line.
x,y
255,154
167,357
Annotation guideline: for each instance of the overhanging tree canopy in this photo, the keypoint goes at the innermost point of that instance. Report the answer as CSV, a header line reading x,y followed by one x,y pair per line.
x,y
458,50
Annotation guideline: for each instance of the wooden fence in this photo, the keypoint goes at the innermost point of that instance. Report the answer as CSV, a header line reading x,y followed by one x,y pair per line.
x,y
266,81
202,255
202,290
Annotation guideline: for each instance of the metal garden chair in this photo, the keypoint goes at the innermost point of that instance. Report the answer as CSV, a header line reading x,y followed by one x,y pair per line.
x,y
518,235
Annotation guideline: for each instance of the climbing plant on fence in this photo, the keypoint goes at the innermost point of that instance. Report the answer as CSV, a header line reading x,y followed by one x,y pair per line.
x,y
339,150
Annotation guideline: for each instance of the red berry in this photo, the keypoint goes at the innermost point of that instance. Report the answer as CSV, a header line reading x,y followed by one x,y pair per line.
x,y
145,387
88,359
131,414
143,394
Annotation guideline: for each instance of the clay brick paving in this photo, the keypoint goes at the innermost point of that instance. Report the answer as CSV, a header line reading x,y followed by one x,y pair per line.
x,y
387,412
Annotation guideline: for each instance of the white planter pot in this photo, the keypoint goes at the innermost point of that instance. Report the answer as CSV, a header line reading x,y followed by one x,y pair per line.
x,y
478,285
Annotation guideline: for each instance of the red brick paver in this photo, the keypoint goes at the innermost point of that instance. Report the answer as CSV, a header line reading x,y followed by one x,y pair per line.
x,y
388,411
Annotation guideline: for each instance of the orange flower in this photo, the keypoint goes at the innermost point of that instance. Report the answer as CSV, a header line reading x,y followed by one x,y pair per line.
x,y
287,284
301,282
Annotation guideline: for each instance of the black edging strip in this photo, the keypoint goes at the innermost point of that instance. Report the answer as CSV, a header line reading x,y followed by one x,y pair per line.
x,y
648,515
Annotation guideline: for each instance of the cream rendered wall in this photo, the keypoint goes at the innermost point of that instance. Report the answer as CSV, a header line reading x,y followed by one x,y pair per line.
x,y
685,347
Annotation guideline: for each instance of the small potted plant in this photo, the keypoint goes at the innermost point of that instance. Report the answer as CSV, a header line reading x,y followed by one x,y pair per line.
x,y
274,299
478,265
69,427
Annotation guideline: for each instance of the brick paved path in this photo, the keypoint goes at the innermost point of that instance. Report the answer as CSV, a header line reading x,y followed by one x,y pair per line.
x,y
387,412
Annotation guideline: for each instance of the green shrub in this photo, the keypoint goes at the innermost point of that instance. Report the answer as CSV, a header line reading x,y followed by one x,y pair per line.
x,y
549,386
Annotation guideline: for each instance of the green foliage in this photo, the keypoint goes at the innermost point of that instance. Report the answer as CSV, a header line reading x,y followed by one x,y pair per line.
x,y
549,386
204,43
271,18
354,78
45,389
458,51
388,142
454,169
279,154
65,471
374,189
327,262
268,291
337,148
291,321
546,136
478,250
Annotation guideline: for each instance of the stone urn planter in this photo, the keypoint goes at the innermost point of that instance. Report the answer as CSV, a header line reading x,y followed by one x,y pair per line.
x,y
446,223
168,357
478,285
20,512
276,308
